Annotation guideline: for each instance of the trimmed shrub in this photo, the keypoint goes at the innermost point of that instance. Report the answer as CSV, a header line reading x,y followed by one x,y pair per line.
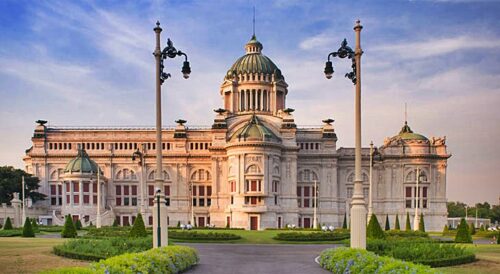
x,y
446,230
69,270
423,251
406,234
97,249
481,228
421,224
138,230
374,230
34,224
463,235
108,231
312,236
178,224
8,224
397,226
387,224
69,230
408,224
472,228
54,228
11,233
498,238
169,259
196,236
344,224
115,223
78,225
27,229
346,260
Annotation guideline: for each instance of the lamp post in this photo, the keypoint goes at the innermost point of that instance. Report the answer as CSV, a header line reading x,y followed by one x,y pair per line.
x,y
416,219
24,202
315,220
373,153
358,210
160,55
98,216
140,154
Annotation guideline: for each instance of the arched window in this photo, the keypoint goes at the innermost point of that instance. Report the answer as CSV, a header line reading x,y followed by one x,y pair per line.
x,y
201,175
276,170
253,169
364,177
412,176
152,176
307,175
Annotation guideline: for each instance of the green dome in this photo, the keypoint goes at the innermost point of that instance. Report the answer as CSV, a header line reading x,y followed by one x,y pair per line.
x,y
254,62
407,134
254,130
81,164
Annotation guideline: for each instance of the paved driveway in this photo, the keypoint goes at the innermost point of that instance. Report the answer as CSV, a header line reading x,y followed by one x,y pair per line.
x,y
258,259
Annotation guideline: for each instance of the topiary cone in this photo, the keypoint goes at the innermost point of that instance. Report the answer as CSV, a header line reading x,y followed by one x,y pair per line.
x,y
138,230
27,229
344,224
8,224
396,226
374,230
421,224
408,224
463,235
387,224
69,230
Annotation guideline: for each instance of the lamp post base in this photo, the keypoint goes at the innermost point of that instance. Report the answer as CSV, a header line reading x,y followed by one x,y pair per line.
x,y
416,221
163,224
358,226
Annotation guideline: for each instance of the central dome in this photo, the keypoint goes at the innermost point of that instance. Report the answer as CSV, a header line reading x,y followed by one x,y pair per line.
x,y
254,62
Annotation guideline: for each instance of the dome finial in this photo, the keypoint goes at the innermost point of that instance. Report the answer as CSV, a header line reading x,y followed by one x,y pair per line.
x,y
253,22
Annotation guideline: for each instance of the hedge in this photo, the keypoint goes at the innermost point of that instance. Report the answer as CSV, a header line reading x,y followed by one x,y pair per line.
x,y
312,236
51,228
169,259
11,233
108,231
97,249
406,234
195,236
347,260
424,251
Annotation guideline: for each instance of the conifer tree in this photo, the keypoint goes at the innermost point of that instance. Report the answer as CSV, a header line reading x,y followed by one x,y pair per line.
x,y
115,223
8,224
178,224
472,229
463,235
445,230
387,224
34,224
27,229
421,223
396,226
481,228
69,229
344,224
408,224
374,230
78,225
498,238
138,230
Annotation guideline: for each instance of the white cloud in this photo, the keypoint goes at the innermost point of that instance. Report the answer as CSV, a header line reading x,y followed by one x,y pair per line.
x,y
320,41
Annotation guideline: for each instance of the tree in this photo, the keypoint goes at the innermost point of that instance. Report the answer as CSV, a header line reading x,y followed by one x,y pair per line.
x,y
138,230
8,224
463,235
178,224
421,224
456,209
445,230
344,224
498,238
27,229
115,223
387,224
481,228
69,229
10,182
34,224
374,230
472,228
396,226
78,224
408,224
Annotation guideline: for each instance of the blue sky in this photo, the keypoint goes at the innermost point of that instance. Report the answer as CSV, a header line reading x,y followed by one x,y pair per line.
x,y
90,63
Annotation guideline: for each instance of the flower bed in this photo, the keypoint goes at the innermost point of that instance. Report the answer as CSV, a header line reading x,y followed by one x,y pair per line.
x,y
97,249
196,236
347,260
312,236
169,259
423,252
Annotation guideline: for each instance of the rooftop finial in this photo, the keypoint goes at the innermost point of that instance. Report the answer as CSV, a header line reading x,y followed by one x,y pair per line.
x,y
254,21
406,114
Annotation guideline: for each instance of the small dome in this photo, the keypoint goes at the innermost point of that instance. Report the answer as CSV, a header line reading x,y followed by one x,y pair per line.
x,y
407,134
254,62
254,130
81,164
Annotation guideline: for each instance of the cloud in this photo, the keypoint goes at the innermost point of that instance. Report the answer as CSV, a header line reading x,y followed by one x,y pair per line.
x,y
319,41
437,47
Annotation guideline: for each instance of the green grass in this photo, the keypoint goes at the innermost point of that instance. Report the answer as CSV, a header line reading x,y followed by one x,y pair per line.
x,y
488,261
31,255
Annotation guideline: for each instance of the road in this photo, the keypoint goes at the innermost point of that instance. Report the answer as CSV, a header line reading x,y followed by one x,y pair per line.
x,y
258,259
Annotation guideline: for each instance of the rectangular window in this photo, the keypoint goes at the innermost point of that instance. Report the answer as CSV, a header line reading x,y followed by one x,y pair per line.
x,y
94,187
167,190
126,190
201,191
86,187
53,201
134,201
253,185
126,201
75,187
86,199
94,200
76,199
209,202
209,191
194,202
201,202
52,190
151,190
118,190
118,201
134,190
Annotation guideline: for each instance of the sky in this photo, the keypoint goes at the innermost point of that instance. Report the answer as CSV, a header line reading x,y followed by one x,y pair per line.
x,y
90,63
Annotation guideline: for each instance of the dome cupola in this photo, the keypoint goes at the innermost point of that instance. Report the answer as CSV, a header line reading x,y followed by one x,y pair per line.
x,y
254,130
407,134
81,164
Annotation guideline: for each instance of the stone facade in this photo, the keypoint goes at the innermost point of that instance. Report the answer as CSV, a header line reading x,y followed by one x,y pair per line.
x,y
253,168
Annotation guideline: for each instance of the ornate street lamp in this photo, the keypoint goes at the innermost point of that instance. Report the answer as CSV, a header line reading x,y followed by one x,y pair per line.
x,y
416,219
358,210
373,153
160,220
138,154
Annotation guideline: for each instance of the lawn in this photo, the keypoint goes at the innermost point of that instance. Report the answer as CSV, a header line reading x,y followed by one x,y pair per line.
x,y
489,261
31,255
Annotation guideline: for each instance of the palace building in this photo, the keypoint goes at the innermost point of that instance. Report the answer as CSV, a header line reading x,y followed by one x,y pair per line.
x,y
253,168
